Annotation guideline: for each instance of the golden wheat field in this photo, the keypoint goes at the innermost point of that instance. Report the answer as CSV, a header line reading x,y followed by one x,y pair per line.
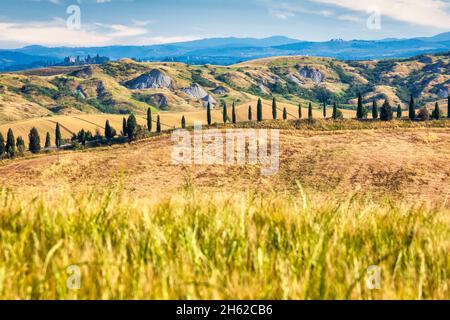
x,y
138,226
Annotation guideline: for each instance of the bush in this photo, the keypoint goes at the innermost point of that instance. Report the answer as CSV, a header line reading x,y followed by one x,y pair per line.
x,y
386,113
424,114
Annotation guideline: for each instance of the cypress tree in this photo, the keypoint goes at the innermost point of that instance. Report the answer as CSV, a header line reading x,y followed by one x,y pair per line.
x,y
436,114
233,115
48,142
124,127
259,113
386,113
131,126
34,141
274,109
399,112
300,111
310,111
412,108
225,113
208,114
20,144
284,114
335,113
375,110
324,109
149,119
448,107
10,144
2,146
183,122
360,109
108,131
58,138
250,116
158,124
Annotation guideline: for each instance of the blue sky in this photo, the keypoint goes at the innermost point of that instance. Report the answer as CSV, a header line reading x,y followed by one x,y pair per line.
x,y
142,22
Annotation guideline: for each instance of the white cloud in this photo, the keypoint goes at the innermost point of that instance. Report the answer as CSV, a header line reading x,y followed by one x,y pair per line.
x,y
164,40
50,34
428,13
350,18
56,33
285,10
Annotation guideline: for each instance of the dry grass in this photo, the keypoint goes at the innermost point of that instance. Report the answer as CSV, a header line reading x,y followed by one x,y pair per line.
x,y
140,227
194,245
407,163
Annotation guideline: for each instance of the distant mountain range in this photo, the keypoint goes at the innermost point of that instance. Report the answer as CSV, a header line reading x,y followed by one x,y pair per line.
x,y
227,51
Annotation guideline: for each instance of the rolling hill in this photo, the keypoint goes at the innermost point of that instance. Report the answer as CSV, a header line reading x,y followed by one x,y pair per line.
x,y
176,89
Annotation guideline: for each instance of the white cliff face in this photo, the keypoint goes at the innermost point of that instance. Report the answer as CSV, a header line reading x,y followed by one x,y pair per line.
x,y
155,79
195,91
309,73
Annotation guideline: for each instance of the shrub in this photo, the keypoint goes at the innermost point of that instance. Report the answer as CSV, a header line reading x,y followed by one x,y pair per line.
x,y
386,113
424,114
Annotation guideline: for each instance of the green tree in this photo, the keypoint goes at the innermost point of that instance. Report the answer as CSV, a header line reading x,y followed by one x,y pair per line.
x,y
20,144
436,114
131,127
324,109
108,131
208,114
58,137
274,109
335,110
448,107
412,108
361,113
259,112
285,114
2,146
374,109
310,111
300,111
149,120
399,112
250,116
386,113
233,114
48,142
183,122
225,113
10,144
34,145
158,124
82,137
124,127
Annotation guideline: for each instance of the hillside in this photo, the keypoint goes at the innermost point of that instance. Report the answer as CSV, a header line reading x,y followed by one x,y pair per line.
x,y
127,86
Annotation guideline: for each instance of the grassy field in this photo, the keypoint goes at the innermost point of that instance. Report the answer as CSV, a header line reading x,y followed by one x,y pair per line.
x,y
194,245
348,195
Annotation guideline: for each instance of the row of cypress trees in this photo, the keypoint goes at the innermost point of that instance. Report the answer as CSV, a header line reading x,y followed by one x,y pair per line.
x,y
361,110
16,147
385,113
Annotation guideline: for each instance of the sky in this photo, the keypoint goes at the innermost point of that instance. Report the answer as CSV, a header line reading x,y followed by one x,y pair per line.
x,y
144,22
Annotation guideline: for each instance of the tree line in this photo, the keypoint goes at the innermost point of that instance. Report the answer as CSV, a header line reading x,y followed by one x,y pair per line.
x,y
384,113
13,147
